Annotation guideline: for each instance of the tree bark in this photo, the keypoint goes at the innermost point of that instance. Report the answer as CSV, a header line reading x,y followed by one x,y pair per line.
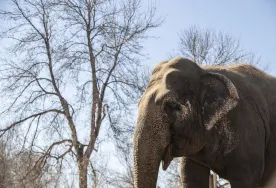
x,y
82,177
82,167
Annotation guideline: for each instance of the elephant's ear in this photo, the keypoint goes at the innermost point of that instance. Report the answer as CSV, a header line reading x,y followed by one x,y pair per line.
x,y
218,96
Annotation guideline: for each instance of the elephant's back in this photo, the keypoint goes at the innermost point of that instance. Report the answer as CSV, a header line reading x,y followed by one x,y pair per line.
x,y
246,71
248,75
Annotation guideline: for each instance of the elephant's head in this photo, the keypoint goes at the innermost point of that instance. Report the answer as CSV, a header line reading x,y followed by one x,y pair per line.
x,y
181,103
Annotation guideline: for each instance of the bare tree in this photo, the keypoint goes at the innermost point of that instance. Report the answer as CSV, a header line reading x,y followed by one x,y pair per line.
x,y
5,170
24,174
124,179
67,66
208,47
17,171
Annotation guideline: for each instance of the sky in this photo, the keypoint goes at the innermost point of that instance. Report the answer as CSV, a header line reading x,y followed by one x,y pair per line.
x,y
253,22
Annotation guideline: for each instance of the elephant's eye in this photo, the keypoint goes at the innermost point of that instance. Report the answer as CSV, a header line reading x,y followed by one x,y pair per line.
x,y
171,106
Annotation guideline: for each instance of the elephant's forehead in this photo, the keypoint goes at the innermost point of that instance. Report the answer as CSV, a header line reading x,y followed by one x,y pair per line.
x,y
157,79
157,84
162,69
178,63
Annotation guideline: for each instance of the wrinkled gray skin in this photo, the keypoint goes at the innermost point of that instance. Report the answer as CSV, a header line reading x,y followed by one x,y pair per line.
x,y
218,118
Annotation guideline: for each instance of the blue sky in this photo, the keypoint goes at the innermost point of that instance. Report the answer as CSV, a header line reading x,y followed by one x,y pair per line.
x,y
251,21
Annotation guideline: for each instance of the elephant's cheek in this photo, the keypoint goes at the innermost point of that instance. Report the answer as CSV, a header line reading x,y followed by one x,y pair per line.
x,y
196,144
187,147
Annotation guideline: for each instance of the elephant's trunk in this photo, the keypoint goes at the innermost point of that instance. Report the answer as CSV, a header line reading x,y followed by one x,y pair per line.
x,y
147,157
150,141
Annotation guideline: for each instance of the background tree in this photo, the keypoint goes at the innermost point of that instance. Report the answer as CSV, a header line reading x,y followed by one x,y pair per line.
x,y
210,47
5,170
17,170
67,66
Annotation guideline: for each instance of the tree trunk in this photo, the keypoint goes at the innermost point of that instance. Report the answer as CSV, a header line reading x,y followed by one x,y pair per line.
x,y
82,174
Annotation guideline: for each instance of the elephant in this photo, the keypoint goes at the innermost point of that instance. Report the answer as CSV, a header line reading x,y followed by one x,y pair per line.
x,y
219,118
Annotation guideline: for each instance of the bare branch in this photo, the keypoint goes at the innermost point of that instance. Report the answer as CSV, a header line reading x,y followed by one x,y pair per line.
x,y
3,131
207,47
70,66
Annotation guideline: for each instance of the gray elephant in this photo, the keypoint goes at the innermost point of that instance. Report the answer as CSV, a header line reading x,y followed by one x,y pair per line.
x,y
221,118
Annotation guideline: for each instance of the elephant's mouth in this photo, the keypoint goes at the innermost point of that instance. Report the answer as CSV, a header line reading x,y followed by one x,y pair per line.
x,y
174,149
